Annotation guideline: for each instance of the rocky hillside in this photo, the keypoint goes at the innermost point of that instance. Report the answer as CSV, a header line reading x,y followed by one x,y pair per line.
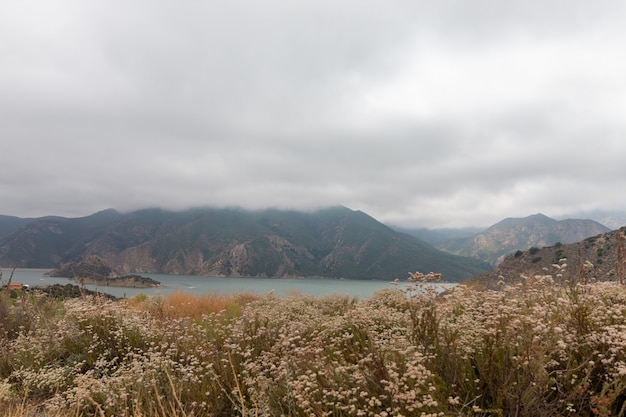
x,y
93,270
513,234
594,258
334,242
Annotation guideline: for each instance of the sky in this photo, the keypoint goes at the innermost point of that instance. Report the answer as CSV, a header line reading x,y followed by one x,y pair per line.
x,y
420,113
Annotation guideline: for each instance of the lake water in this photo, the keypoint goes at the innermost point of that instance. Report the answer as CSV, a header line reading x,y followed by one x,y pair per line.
x,y
361,289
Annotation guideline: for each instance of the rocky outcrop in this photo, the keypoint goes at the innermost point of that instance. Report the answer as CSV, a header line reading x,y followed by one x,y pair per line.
x,y
132,281
94,270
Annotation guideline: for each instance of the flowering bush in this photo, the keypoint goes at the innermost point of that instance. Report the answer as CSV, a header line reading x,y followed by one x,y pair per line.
x,y
535,349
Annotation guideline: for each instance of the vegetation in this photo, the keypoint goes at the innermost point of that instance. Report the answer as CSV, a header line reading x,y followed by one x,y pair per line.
x,y
498,241
335,242
92,267
94,270
533,349
602,257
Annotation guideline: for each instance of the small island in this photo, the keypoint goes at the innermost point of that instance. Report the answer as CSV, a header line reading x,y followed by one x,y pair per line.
x,y
94,271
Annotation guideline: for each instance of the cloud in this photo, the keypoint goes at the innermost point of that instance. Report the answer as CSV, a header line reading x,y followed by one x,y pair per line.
x,y
419,113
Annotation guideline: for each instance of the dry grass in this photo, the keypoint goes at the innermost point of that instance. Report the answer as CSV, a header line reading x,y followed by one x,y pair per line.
x,y
182,304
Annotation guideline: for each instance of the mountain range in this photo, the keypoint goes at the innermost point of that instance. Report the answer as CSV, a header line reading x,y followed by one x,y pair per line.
x,y
493,244
613,219
334,242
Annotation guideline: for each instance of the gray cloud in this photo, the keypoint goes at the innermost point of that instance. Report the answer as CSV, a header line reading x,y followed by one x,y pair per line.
x,y
419,113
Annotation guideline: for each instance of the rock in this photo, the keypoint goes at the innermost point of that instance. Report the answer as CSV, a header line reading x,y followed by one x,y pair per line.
x,y
93,270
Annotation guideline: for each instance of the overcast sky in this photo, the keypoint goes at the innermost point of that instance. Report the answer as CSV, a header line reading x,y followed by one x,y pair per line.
x,y
419,113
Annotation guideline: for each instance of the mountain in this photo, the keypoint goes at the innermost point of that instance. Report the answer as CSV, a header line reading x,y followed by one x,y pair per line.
x,y
594,258
9,224
512,234
438,237
47,242
334,242
613,219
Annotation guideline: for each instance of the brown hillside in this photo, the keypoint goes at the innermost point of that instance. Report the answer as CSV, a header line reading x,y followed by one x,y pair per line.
x,y
494,244
564,262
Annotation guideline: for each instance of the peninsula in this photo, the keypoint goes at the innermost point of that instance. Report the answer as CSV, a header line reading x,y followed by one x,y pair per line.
x,y
93,270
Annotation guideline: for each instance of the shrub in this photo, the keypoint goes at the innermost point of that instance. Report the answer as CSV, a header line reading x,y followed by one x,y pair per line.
x,y
533,349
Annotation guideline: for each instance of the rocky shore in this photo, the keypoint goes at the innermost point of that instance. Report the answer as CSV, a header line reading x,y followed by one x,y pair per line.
x,y
94,271
132,281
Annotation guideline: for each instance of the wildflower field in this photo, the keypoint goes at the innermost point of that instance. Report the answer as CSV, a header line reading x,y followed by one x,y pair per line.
x,y
534,349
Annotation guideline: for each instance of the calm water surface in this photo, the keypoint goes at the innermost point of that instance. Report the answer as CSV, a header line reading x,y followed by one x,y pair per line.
x,y
198,285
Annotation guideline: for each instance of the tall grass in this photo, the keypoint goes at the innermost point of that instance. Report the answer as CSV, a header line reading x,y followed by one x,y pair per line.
x,y
535,349
182,304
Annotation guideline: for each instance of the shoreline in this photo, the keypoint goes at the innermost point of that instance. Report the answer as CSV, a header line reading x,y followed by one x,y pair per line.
x,y
128,281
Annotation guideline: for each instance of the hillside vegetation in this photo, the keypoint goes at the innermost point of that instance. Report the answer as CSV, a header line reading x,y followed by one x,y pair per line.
x,y
597,258
531,349
93,270
335,242
512,234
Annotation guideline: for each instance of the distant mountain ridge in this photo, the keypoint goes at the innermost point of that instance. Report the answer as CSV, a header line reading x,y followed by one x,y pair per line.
x,y
613,219
9,224
334,242
438,237
512,234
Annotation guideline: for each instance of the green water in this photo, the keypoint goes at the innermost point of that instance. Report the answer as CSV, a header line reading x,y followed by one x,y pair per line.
x,y
198,285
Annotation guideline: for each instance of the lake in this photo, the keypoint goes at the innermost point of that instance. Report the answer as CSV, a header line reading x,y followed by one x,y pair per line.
x,y
361,289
